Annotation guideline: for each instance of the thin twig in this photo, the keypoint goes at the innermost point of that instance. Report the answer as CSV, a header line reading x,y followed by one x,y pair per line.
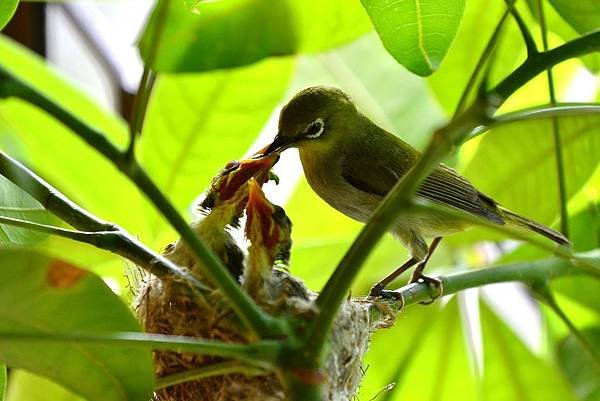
x,y
140,106
527,37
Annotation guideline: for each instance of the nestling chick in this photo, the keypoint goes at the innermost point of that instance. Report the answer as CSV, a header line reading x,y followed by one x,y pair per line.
x,y
352,164
222,206
269,230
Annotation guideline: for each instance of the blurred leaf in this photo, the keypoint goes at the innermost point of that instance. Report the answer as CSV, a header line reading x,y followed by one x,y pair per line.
x,y
198,122
46,295
515,163
438,368
581,371
512,372
58,155
480,20
16,203
2,382
7,9
583,15
24,386
416,33
555,23
234,33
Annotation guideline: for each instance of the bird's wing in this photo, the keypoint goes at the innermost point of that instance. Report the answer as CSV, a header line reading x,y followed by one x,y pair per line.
x,y
377,175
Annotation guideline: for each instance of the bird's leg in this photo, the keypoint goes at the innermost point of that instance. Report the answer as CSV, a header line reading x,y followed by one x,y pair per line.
x,y
378,289
419,276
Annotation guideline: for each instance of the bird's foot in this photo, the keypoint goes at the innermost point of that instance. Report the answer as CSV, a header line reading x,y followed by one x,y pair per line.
x,y
436,287
378,291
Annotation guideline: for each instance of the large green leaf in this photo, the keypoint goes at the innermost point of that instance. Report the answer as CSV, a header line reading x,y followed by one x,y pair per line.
x,y
515,163
7,9
233,33
25,386
44,295
16,203
417,33
512,372
583,15
197,122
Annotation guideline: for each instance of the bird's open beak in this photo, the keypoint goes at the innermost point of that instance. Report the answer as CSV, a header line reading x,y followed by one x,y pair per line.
x,y
279,144
245,170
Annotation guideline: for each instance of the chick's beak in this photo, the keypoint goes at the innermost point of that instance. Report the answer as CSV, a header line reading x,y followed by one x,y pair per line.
x,y
245,170
279,144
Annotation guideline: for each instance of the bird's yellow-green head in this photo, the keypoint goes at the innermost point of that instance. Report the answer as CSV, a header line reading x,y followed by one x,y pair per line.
x,y
311,116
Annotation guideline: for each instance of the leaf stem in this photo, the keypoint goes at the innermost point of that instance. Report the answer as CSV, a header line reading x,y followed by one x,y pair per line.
x,y
215,369
142,97
262,353
560,169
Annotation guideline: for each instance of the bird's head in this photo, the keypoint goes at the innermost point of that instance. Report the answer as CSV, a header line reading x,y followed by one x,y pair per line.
x,y
312,116
267,225
228,184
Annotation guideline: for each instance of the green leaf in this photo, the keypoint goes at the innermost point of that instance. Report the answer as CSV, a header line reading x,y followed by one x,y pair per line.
x,y
581,371
515,163
197,122
233,33
2,382
16,203
583,15
24,386
7,10
45,295
512,372
417,33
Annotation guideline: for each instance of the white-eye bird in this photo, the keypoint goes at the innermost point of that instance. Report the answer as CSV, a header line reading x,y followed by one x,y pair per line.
x,y
352,163
222,206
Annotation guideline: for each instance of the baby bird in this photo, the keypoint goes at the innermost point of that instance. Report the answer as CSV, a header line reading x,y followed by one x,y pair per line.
x,y
352,164
222,206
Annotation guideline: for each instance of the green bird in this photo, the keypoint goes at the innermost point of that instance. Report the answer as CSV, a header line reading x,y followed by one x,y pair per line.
x,y
352,163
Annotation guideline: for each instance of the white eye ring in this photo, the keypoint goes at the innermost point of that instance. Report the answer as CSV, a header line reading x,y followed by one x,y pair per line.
x,y
320,123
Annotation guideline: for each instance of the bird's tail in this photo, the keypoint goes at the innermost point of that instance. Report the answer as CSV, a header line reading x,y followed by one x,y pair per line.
x,y
537,227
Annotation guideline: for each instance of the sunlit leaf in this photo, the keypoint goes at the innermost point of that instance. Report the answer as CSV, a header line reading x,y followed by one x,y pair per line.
x,y
583,15
233,33
2,382
24,386
417,33
512,372
198,122
7,9
46,295
16,203
516,163
582,372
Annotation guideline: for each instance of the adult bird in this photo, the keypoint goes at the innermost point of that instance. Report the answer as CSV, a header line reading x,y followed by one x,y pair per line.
x,y
352,163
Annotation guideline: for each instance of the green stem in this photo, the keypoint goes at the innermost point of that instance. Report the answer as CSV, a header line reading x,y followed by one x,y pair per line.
x,y
215,369
560,169
394,204
139,109
263,353
252,316
525,34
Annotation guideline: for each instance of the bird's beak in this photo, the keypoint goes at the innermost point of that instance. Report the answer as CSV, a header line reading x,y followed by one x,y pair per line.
x,y
279,144
259,210
247,169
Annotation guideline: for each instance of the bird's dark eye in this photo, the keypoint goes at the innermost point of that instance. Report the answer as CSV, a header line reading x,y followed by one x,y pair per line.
x,y
314,129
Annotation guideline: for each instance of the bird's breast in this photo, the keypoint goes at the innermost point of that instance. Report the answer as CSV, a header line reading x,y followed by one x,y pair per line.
x,y
324,175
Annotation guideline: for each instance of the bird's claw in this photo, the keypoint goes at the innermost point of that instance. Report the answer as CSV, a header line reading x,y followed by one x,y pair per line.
x,y
436,283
